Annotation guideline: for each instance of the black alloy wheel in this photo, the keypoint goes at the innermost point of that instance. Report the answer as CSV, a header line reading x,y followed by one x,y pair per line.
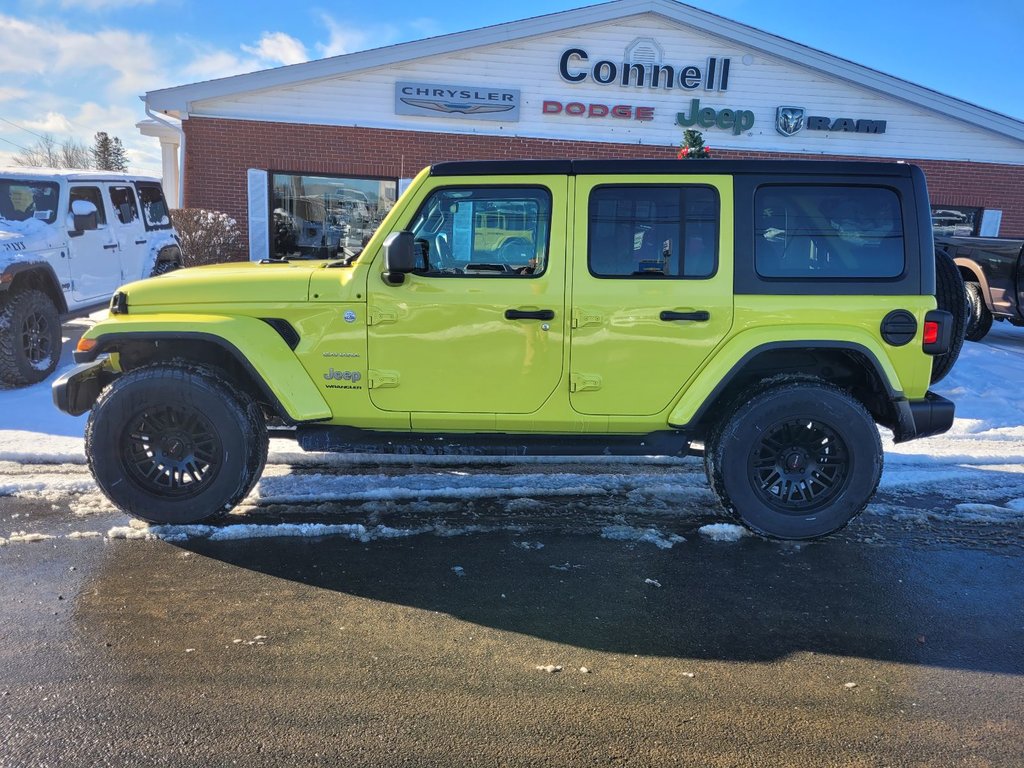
x,y
171,450
37,339
799,466
795,460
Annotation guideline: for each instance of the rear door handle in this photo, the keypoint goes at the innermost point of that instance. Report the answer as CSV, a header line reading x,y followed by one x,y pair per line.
x,y
701,316
529,314
141,242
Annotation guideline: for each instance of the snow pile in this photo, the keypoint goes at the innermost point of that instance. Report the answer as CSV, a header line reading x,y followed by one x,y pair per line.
x,y
641,535
723,532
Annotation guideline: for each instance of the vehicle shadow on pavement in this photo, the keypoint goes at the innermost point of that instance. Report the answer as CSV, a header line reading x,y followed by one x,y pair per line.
x,y
750,600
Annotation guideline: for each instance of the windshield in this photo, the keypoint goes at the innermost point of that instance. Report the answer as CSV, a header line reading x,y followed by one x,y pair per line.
x,y
21,200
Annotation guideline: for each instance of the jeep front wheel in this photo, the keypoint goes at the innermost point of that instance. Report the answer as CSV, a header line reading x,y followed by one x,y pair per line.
x,y
30,338
797,461
171,444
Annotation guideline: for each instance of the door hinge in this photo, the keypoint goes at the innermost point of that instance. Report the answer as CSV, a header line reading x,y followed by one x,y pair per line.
x,y
378,316
382,379
580,382
582,317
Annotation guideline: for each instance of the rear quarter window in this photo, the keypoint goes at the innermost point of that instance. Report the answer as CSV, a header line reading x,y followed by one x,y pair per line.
x,y
823,232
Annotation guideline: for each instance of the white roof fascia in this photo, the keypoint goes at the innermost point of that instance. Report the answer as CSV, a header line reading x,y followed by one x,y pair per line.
x,y
177,100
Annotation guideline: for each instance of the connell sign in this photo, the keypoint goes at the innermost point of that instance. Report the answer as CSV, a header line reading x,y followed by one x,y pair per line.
x,y
575,66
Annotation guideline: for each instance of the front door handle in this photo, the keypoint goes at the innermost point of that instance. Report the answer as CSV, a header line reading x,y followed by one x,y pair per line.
x,y
110,246
701,316
529,314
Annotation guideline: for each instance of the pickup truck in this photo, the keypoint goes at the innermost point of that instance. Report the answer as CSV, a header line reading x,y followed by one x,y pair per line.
x,y
993,273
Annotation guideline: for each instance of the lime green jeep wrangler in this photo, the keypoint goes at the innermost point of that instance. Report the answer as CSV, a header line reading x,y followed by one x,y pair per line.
x,y
774,311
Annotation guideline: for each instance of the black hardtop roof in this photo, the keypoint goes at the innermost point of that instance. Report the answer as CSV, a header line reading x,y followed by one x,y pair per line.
x,y
708,166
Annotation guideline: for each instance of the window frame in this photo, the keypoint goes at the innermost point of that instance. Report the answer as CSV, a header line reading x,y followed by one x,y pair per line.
x,y
918,274
485,274
660,185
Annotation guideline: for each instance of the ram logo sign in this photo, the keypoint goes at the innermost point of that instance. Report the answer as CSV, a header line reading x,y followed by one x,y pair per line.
x,y
789,120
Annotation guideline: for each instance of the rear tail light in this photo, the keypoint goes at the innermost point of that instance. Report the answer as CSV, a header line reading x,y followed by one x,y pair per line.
x,y
938,332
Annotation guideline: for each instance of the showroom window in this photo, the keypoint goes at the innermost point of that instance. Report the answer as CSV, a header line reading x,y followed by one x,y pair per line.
x,y
325,217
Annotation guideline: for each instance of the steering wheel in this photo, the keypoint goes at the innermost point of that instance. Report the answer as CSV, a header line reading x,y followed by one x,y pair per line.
x,y
443,250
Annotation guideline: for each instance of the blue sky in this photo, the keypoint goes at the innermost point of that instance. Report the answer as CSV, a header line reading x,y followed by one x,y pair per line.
x,y
73,67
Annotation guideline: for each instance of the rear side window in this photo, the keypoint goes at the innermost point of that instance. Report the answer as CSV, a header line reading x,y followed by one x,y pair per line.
x,y
154,207
653,231
123,200
828,232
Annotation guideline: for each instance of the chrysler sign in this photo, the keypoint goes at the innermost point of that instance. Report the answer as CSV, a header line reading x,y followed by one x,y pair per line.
x,y
465,101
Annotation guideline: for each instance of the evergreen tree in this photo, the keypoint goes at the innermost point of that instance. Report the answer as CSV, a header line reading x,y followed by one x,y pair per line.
x,y
102,150
118,156
693,147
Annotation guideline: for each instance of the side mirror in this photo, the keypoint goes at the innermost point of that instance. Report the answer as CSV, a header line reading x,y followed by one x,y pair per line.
x,y
399,257
84,215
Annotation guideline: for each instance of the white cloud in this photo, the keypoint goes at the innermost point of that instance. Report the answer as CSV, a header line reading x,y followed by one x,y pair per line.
x,y
278,47
345,39
54,122
12,94
123,61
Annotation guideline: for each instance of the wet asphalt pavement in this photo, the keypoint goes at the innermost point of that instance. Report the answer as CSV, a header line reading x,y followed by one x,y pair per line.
x,y
425,651
898,642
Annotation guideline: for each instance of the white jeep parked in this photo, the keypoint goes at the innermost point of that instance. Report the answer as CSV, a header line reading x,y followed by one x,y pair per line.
x,y
68,239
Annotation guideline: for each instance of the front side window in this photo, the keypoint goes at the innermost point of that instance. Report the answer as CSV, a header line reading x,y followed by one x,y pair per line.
x,y
326,217
21,200
154,207
653,232
123,201
484,231
92,195
825,232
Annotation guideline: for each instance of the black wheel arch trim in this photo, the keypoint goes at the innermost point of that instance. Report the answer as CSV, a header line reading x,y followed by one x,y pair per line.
x,y
894,394
13,270
106,342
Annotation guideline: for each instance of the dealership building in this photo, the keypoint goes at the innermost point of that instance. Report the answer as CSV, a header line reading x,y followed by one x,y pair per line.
x,y
335,140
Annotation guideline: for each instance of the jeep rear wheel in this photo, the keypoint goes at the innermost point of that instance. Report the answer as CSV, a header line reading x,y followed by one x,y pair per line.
x,y
30,338
979,321
797,461
172,445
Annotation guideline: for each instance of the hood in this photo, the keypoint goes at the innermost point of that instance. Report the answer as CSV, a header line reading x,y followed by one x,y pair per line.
x,y
25,236
234,283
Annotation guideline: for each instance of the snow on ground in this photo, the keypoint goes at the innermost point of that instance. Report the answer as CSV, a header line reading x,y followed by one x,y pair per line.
x,y
41,457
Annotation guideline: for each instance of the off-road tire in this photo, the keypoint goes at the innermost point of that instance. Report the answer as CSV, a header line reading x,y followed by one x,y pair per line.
x,y
740,452
951,297
148,415
30,338
163,267
979,321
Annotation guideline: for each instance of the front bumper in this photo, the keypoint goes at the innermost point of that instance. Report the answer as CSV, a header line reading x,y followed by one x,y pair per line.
x,y
922,418
76,390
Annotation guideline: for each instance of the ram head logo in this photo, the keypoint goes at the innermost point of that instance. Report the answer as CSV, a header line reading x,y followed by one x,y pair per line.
x,y
789,120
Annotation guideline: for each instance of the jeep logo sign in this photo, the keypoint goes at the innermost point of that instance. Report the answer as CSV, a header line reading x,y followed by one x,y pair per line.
x,y
736,120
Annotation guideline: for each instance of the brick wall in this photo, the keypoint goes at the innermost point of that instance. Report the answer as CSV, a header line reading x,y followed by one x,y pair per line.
x,y
219,152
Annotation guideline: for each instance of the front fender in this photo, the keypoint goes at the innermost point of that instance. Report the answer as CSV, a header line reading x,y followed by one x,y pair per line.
x,y
730,359
253,343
